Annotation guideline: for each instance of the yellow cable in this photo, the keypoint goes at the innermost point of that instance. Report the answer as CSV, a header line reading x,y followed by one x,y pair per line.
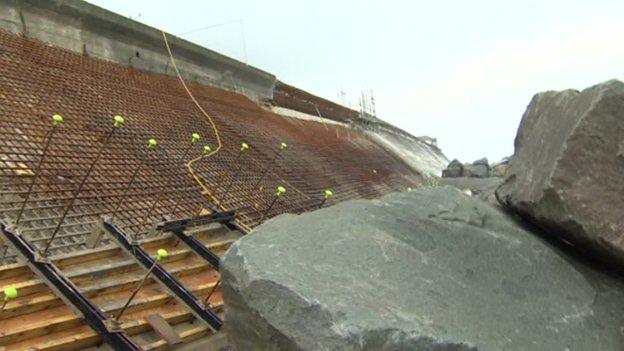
x,y
189,165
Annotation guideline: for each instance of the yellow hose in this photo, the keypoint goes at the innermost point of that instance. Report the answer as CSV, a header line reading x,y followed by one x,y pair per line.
x,y
189,165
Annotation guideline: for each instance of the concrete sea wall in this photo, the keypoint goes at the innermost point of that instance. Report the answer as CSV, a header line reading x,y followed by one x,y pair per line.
x,y
88,29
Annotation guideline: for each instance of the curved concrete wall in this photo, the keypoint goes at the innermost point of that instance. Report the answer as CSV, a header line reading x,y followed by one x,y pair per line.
x,y
81,27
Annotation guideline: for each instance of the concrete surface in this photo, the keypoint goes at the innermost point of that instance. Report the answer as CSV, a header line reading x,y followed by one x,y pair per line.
x,y
424,158
85,28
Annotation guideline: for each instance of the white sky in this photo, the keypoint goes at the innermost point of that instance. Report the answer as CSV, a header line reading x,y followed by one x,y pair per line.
x,y
462,72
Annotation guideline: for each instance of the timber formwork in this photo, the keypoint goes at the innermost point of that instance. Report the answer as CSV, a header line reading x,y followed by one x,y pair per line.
x,y
38,318
38,81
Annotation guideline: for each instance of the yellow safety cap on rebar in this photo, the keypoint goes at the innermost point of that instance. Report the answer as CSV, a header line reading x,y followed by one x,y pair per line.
x,y
280,191
283,145
10,293
161,254
207,149
151,143
328,193
118,121
57,119
195,137
244,147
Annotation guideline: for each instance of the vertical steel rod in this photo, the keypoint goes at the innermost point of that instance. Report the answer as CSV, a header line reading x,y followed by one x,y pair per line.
x,y
9,293
151,143
214,288
326,195
279,191
161,253
322,202
159,197
118,122
243,149
282,146
136,291
205,152
56,120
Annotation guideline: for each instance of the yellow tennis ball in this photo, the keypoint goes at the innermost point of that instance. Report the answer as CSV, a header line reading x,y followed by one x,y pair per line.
x,y
57,119
195,137
328,193
161,253
244,147
10,293
207,150
118,121
151,143
280,190
283,145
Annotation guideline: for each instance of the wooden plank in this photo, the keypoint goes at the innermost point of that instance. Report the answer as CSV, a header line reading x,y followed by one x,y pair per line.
x,y
63,261
49,300
14,270
160,326
149,297
83,336
95,283
28,318
186,336
100,253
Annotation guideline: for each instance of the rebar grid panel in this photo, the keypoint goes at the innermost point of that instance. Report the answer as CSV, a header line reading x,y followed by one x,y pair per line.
x,y
37,81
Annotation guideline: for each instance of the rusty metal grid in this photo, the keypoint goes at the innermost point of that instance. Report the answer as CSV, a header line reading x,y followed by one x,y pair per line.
x,y
37,81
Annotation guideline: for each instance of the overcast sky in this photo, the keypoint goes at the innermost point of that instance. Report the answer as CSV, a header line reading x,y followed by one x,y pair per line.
x,y
460,71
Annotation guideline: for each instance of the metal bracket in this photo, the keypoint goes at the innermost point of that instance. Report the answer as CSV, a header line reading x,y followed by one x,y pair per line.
x,y
181,224
55,279
177,227
163,277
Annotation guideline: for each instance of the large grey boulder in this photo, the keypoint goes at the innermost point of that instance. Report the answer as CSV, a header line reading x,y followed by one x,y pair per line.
x,y
454,169
432,269
478,169
567,172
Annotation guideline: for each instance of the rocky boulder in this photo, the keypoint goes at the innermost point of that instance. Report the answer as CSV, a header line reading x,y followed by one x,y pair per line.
x,y
499,169
432,269
482,188
478,169
567,171
454,169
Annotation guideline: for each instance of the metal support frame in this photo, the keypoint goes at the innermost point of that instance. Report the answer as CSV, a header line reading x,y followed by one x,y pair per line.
x,y
55,279
162,276
231,224
177,227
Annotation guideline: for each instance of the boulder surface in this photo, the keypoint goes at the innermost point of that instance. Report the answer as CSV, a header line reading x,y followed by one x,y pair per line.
x,y
432,269
454,169
567,171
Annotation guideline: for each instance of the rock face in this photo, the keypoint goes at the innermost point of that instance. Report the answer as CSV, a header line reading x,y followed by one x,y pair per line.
x,y
454,169
567,171
499,169
432,269
478,169
482,188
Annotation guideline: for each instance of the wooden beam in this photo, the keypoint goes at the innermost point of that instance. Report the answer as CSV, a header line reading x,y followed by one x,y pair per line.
x,y
162,328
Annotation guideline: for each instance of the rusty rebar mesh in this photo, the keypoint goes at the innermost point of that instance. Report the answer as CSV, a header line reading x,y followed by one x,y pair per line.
x,y
37,81
291,97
